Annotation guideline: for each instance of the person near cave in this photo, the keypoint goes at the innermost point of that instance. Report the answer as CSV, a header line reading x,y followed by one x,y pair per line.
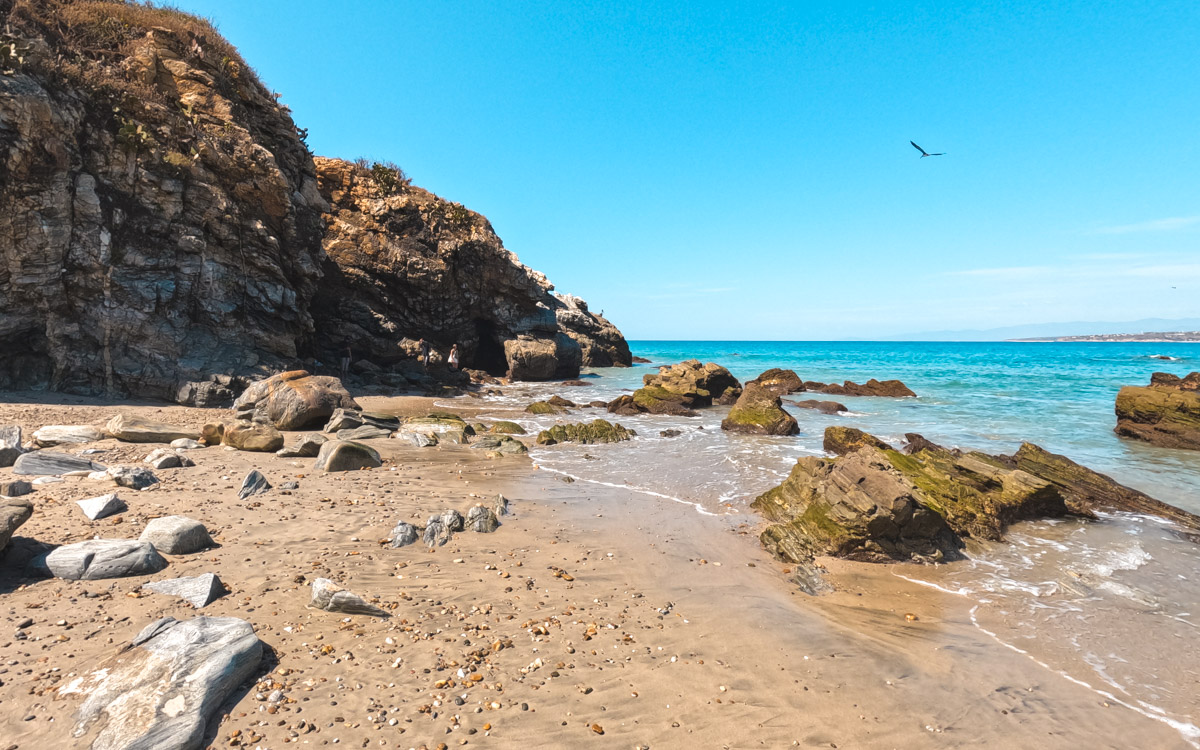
x,y
424,353
346,362
452,360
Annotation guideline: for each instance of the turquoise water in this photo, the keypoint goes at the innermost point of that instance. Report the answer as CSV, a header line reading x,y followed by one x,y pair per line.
x,y
1112,605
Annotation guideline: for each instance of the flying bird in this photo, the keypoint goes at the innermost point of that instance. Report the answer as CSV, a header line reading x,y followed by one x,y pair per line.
x,y
925,153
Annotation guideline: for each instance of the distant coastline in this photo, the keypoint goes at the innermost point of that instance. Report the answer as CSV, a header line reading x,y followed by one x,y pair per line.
x,y
1157,337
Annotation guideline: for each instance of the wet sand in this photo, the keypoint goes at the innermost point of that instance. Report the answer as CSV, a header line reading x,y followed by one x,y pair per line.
x,y
593,615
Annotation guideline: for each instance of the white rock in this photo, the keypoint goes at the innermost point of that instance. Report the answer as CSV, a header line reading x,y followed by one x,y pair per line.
x,y
96,508
58,434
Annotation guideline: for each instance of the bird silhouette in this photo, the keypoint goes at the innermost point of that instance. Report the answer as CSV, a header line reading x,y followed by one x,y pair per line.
x,y
924,153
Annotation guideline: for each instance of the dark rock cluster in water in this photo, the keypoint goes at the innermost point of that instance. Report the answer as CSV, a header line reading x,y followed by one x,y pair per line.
x,y
1165,413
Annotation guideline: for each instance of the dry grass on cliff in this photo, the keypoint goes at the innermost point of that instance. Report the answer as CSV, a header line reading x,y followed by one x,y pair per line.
x,y
94,36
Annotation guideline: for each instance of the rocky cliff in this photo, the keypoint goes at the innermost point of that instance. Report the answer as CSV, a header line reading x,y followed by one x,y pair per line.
x,y
165,223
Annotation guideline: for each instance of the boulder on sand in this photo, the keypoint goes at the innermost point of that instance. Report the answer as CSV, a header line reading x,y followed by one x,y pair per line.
x,y
13,513
1166,413
296,400
177,535
342,455
131,429
253,484
97,559
15,488
305,446
162,690
759,411
103,506
331,597
10,445
60,434
40,463
543,358
253,436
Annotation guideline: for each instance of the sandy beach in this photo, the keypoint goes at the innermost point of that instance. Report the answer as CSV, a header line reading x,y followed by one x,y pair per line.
x,y
593,615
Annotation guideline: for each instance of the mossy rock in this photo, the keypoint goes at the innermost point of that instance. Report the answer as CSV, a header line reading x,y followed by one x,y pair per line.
x,y
588,433
543,407
438,422
759,411
1164,415
504,427
842,440
502,444
658,400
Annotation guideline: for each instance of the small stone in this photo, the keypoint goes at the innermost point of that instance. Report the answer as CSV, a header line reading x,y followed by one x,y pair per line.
x,y
253,484
103,506
331,597
453,520
436,534
164,458
306,446
133,477
199,591
403,535
482,520
15,488
186,444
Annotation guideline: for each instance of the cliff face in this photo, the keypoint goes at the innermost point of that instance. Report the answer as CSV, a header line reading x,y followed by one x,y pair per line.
x,y
165,222
404,264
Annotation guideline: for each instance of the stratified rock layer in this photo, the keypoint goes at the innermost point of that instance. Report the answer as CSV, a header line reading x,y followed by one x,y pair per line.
x,y
1166,413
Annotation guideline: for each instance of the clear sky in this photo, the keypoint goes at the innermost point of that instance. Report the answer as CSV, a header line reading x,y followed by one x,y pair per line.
x,y
742,170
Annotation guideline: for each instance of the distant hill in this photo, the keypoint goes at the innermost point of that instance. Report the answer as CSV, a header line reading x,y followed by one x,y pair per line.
x,y
1060,331
1172,337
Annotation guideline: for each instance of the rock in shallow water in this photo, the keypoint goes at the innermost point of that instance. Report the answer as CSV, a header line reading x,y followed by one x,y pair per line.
x,y
54,464
758,411
198,591
587,433
177,535
1166,413
331,597
97,559
162,690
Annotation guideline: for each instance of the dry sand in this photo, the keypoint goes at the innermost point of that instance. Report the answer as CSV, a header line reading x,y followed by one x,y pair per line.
x,y
593,617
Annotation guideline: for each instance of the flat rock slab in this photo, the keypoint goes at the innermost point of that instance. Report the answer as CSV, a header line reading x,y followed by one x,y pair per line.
x,y
199,591
343,419
253,484
306,446
104,558
130,429
365,432
103,506
331,597
13,513
186,444
39,463
57,434
343,455
162,689
177,535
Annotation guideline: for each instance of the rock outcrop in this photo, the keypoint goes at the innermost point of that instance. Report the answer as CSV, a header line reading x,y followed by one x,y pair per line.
x,y
405,264
759,411
167,233
875,503
1165,413
780,381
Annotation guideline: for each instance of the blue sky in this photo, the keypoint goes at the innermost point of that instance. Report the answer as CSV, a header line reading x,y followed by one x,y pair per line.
x,y
711,171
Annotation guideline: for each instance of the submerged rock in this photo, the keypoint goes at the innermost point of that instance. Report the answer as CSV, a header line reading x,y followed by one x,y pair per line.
x,y
198,591
97,559
340,455
588,433
162,689
873,387
296,400
759,411
825,407
131,429
1165,413
42,463
331,597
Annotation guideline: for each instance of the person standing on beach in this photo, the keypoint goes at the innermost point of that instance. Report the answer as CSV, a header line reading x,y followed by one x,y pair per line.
x,y
452,360
346,362
424,355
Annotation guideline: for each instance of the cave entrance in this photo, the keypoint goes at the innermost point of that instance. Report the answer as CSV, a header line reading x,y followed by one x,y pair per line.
x,y
489,354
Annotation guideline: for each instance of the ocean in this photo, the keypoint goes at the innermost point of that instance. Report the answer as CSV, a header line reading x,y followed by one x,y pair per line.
x,y
1113,605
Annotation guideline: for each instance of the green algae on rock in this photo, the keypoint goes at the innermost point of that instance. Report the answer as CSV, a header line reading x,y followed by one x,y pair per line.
x,y
759,411
588,433
1165,413
842,440
504,427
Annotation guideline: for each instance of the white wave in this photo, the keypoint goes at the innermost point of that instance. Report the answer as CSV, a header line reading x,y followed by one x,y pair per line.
x,y
956,592
640,490
1190,732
